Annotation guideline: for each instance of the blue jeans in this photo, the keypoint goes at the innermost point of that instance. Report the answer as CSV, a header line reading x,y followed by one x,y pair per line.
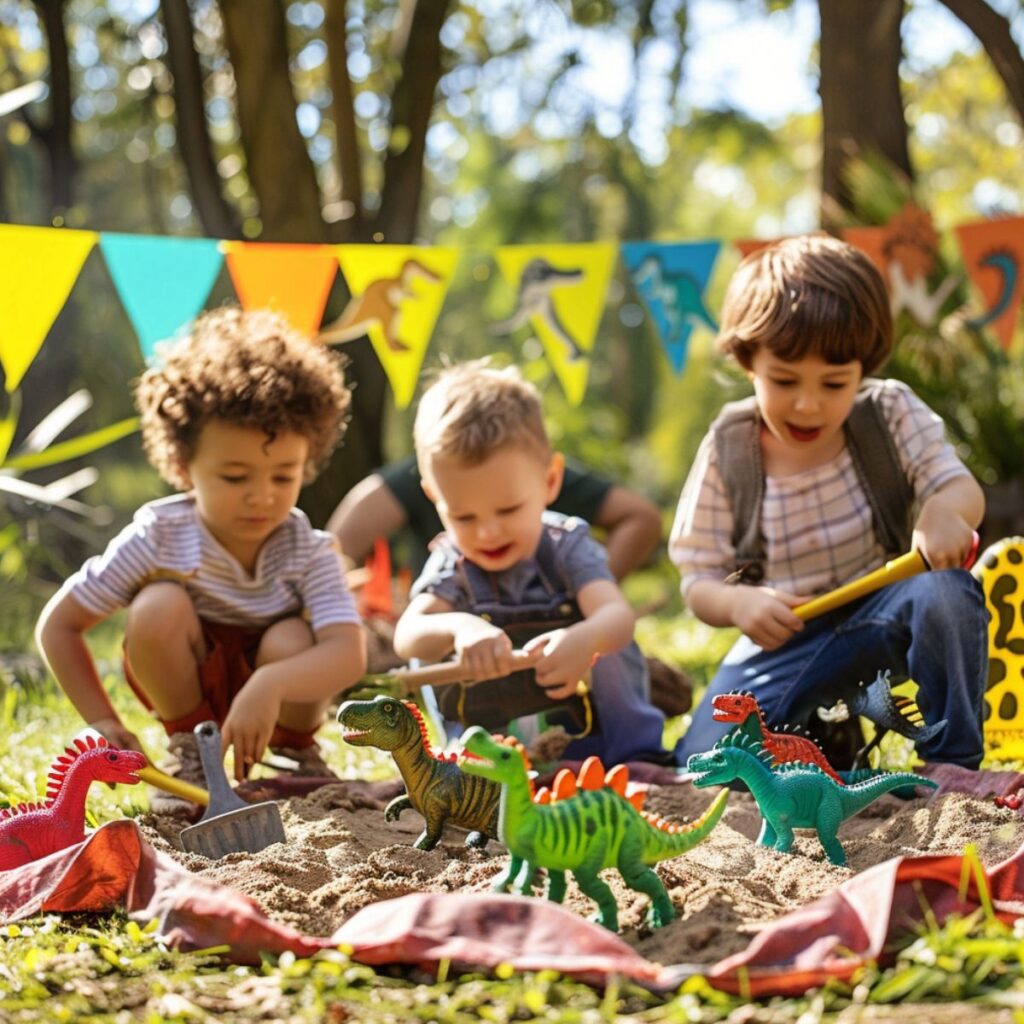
x,y
932,628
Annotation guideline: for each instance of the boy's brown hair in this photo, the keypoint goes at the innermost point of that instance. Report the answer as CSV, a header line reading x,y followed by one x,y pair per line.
x,y
810,295
249,369
472,410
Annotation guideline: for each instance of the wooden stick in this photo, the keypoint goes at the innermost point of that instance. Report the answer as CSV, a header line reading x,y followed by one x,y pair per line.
x,y
448,672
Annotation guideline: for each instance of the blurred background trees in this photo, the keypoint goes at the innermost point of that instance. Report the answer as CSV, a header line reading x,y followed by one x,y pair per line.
x,y
487,122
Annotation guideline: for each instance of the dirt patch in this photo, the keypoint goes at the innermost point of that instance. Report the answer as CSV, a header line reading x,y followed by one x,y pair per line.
x,y
341,855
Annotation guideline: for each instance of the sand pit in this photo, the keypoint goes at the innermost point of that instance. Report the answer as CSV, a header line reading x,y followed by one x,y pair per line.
x,y
341,856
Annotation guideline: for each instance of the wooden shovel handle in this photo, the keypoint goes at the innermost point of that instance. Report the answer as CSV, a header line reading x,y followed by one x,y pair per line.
x,y
446,672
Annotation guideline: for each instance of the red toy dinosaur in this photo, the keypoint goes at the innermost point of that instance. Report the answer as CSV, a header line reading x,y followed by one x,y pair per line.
x,y
31,831
743,710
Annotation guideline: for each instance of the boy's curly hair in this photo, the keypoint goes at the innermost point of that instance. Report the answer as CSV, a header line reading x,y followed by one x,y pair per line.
x,y
249,369
810,295
472,410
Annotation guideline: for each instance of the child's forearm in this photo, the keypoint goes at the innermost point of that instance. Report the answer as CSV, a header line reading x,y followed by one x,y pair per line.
x,y
713,602
68,657
430,637
962,497
320,671
608,629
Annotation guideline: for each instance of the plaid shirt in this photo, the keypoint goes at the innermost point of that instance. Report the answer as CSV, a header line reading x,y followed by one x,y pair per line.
x,y
816,524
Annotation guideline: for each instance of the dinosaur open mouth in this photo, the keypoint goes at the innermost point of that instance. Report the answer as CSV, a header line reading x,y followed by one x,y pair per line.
x,y
466,757
351,734
721,715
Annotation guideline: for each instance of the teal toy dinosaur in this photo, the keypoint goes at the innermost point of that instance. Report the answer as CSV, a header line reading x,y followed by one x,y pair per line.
x,y
792,795
594,829
435,784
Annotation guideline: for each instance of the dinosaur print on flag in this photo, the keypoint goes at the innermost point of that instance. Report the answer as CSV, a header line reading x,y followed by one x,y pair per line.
x,y
560,292
993,252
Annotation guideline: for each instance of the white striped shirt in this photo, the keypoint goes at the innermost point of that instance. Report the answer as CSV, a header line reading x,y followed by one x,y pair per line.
x,y
817,524
297,570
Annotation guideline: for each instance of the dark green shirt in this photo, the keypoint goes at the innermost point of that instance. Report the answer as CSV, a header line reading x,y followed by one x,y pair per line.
x,y
581,495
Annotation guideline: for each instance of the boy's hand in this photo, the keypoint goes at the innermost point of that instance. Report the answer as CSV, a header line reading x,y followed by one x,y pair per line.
x,y
115,733
944,538
484,650
564,658
765,615
249,724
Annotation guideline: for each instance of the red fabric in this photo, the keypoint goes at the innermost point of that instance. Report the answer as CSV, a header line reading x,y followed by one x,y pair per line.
x,y
829,938
230,661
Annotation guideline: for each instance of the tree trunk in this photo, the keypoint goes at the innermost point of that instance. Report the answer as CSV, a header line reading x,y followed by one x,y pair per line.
x,y
277,161
215,213
993,32
861,105
56,136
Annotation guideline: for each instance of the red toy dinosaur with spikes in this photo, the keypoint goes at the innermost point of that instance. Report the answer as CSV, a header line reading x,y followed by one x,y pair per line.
x,y
31,831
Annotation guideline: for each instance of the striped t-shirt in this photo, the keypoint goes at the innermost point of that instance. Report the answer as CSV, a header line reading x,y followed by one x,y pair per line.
x,y
817,524
297,570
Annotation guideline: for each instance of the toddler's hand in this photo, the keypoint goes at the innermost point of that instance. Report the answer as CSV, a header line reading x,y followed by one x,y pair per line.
x,y
484,650
564,658
765,615
944,540
249,724
115,733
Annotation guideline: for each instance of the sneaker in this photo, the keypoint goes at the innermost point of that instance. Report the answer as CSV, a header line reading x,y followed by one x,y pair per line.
x,y
308,761
182,761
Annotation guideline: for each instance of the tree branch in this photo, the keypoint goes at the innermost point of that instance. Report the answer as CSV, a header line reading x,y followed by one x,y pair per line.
x,y
411,107
218,218
350,169
993,32
57,135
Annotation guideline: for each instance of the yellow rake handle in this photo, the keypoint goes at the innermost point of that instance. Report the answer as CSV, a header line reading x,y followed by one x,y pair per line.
x,y
898,569
169,784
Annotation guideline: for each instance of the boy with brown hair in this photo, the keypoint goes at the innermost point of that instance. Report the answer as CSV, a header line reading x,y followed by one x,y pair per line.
x,y
823,475
237,608
507,573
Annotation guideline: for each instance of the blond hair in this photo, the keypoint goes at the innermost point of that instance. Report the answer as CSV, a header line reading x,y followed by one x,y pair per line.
x,y
809,295
249,369
472,410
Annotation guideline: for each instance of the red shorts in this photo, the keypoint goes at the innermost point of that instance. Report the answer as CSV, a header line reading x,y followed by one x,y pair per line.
x,y
230,661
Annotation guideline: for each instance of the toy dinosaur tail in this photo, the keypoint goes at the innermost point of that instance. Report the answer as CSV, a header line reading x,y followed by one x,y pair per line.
x,y
665,839
857,796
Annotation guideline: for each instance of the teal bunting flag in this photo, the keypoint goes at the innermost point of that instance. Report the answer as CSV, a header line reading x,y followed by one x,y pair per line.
x,y
670,279
163,282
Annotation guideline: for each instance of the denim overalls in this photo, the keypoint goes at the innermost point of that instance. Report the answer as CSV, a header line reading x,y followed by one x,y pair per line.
x,y
626,725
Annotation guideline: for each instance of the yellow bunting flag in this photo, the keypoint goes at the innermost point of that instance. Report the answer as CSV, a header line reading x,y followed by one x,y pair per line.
x,y
293,280
397,294
560,290
993,252
38,269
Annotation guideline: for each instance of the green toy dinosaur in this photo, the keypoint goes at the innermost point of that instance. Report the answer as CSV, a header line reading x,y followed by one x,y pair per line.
x,y
594,829
435,785
792,795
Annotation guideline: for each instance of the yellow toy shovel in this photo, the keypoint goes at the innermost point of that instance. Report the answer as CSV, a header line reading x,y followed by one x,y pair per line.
x,y
898,569
169,784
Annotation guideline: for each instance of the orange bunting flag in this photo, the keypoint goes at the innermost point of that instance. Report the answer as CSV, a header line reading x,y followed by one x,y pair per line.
x,y
294,280
993,252
38,269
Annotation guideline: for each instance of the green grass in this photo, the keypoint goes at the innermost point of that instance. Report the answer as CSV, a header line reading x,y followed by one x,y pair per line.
x,y
107,968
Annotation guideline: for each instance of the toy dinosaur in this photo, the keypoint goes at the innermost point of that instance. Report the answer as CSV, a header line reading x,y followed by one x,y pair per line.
x,y
31,831
876,702
792,795
435,784
595,828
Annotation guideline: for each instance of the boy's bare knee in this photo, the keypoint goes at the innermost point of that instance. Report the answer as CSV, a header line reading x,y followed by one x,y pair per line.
x,y
284,639
161,609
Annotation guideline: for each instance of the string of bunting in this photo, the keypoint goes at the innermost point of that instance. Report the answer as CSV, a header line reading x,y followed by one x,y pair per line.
x,y
558,290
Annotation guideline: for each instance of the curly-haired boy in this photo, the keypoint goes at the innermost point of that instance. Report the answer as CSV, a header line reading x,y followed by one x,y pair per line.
x,y
237,608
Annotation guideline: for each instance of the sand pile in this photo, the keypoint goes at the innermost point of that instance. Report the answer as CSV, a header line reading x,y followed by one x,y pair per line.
x,y
341,855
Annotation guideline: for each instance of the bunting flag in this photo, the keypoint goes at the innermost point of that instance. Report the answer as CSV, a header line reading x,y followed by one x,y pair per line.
x,y
906,251
746,246
38,269
163,282
560,290
993,252
294,280
397,294
670,279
